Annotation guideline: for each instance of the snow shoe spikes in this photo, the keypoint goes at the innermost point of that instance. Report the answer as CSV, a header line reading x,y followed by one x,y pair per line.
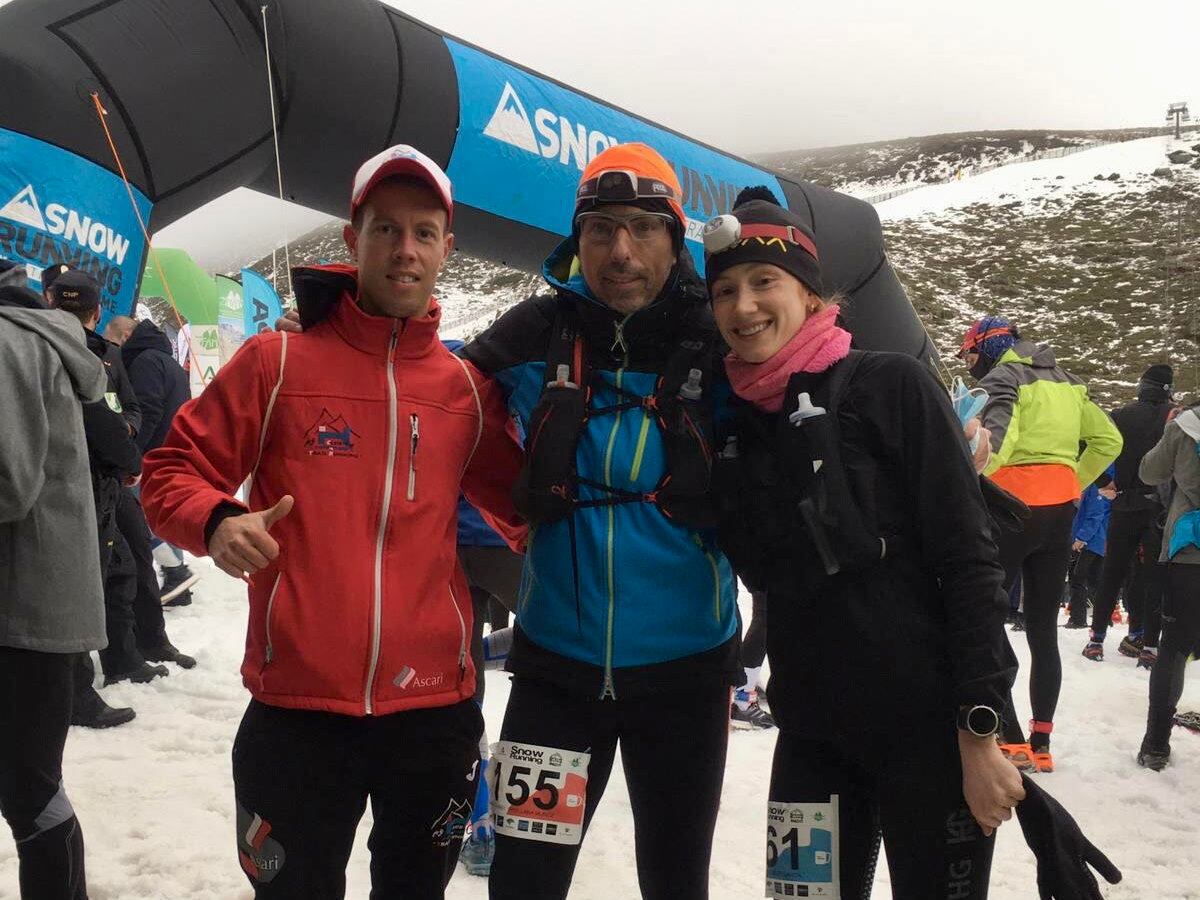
x,y
1130,646
1188,720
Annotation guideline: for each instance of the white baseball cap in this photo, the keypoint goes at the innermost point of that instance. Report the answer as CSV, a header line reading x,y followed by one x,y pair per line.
x,y
401,160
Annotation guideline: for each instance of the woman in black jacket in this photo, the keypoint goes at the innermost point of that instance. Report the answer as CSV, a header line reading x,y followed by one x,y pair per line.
x,y
846,492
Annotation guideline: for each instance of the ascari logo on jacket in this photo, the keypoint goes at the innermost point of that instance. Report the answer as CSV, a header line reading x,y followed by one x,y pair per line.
x,y
408,678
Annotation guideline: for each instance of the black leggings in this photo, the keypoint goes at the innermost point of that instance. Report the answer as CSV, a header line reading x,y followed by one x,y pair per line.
x,y
673,750
1180,636
1041,553
302,780
1085,575
910,795
754,640
1126,532
35,709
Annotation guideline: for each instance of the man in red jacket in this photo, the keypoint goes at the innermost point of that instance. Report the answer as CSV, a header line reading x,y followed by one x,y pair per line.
x,y
358,436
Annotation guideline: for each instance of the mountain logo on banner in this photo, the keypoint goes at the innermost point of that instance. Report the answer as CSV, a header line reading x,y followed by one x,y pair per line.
x,y
24,208
510,122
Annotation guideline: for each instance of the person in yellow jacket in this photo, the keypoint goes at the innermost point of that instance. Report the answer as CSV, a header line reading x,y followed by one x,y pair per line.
x,y
1049,441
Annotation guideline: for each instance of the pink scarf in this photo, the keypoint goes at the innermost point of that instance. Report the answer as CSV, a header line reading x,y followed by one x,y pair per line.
x,y
818,344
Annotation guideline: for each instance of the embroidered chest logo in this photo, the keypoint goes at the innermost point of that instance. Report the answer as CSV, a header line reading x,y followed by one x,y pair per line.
x,y
331,435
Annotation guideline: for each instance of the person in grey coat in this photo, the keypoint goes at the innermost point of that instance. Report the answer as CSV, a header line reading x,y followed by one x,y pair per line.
x,y
1175,459
51,600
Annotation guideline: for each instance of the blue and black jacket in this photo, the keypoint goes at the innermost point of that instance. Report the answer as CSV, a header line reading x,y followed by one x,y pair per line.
x,y
616,600
1091,519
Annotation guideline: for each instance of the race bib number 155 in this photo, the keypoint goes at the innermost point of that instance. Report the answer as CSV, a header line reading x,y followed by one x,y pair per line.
x,y
538,793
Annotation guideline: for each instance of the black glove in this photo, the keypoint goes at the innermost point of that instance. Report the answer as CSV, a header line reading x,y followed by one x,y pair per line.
x,y
1063,852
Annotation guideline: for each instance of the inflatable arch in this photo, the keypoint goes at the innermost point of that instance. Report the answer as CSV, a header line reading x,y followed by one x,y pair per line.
x,y
184,84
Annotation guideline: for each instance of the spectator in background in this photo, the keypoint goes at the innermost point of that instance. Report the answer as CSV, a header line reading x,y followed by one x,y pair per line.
x,y
1089,531
1175,459
116,462
1037,414
1136,520
51,605
162,387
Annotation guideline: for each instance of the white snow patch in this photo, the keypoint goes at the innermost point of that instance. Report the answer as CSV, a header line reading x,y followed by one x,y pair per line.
x,y
1028,181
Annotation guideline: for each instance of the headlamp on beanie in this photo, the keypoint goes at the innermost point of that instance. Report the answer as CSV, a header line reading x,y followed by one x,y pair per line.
x,y
623,186
632,175
725,232
760,230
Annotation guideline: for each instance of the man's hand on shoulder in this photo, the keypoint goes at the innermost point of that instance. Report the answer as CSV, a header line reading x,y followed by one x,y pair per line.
x,y
289,321
242,544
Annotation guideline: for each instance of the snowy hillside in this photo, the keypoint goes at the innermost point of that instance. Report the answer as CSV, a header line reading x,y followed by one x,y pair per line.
x,y
1094,254
156,800
865,169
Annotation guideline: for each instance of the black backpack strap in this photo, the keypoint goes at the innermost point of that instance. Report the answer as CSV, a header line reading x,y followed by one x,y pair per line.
x,y
830,393
565,346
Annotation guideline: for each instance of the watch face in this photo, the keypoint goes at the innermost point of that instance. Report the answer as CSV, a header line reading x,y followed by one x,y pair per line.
x,y
983,721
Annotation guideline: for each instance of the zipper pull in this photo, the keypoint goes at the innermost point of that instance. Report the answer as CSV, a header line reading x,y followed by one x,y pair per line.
x,y
609,693
414,441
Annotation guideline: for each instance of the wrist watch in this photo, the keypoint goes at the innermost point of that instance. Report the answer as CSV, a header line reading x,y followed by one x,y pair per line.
x,y
979,720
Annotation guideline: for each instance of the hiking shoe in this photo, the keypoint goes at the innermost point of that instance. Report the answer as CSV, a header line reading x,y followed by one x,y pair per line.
x,y
1131,647
176,580
1094,651
1070,623
168,652
1154,760
1147,658
184,599
144,673
753,716
478,851
102,716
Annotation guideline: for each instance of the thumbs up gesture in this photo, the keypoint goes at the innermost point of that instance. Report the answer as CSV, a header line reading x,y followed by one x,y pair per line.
x,y
243,544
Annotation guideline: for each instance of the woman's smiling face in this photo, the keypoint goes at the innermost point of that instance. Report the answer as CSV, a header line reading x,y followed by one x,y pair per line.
x,y
759,308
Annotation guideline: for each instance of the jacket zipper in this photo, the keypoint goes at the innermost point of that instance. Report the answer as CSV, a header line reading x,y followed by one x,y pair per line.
x,y
609,690
377,611
414,425
270,654
462,640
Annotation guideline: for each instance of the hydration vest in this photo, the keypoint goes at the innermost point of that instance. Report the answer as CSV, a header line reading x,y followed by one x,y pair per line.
x,y
794,496
547,489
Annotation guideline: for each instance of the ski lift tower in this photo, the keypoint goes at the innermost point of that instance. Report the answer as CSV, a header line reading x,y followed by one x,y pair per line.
x,y
1178,113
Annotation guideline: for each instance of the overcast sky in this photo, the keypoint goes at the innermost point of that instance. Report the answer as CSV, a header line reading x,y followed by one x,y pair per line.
x,y
758,76
753,77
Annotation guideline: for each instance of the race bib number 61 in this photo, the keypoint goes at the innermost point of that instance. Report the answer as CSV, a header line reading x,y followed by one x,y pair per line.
x,y
538,793
802,850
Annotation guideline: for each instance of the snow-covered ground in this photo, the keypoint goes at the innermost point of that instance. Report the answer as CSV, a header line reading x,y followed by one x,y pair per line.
x,y
1027,181
156,799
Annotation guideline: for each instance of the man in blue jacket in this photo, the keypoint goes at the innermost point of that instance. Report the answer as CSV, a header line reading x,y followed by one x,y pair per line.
x,y
626,629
